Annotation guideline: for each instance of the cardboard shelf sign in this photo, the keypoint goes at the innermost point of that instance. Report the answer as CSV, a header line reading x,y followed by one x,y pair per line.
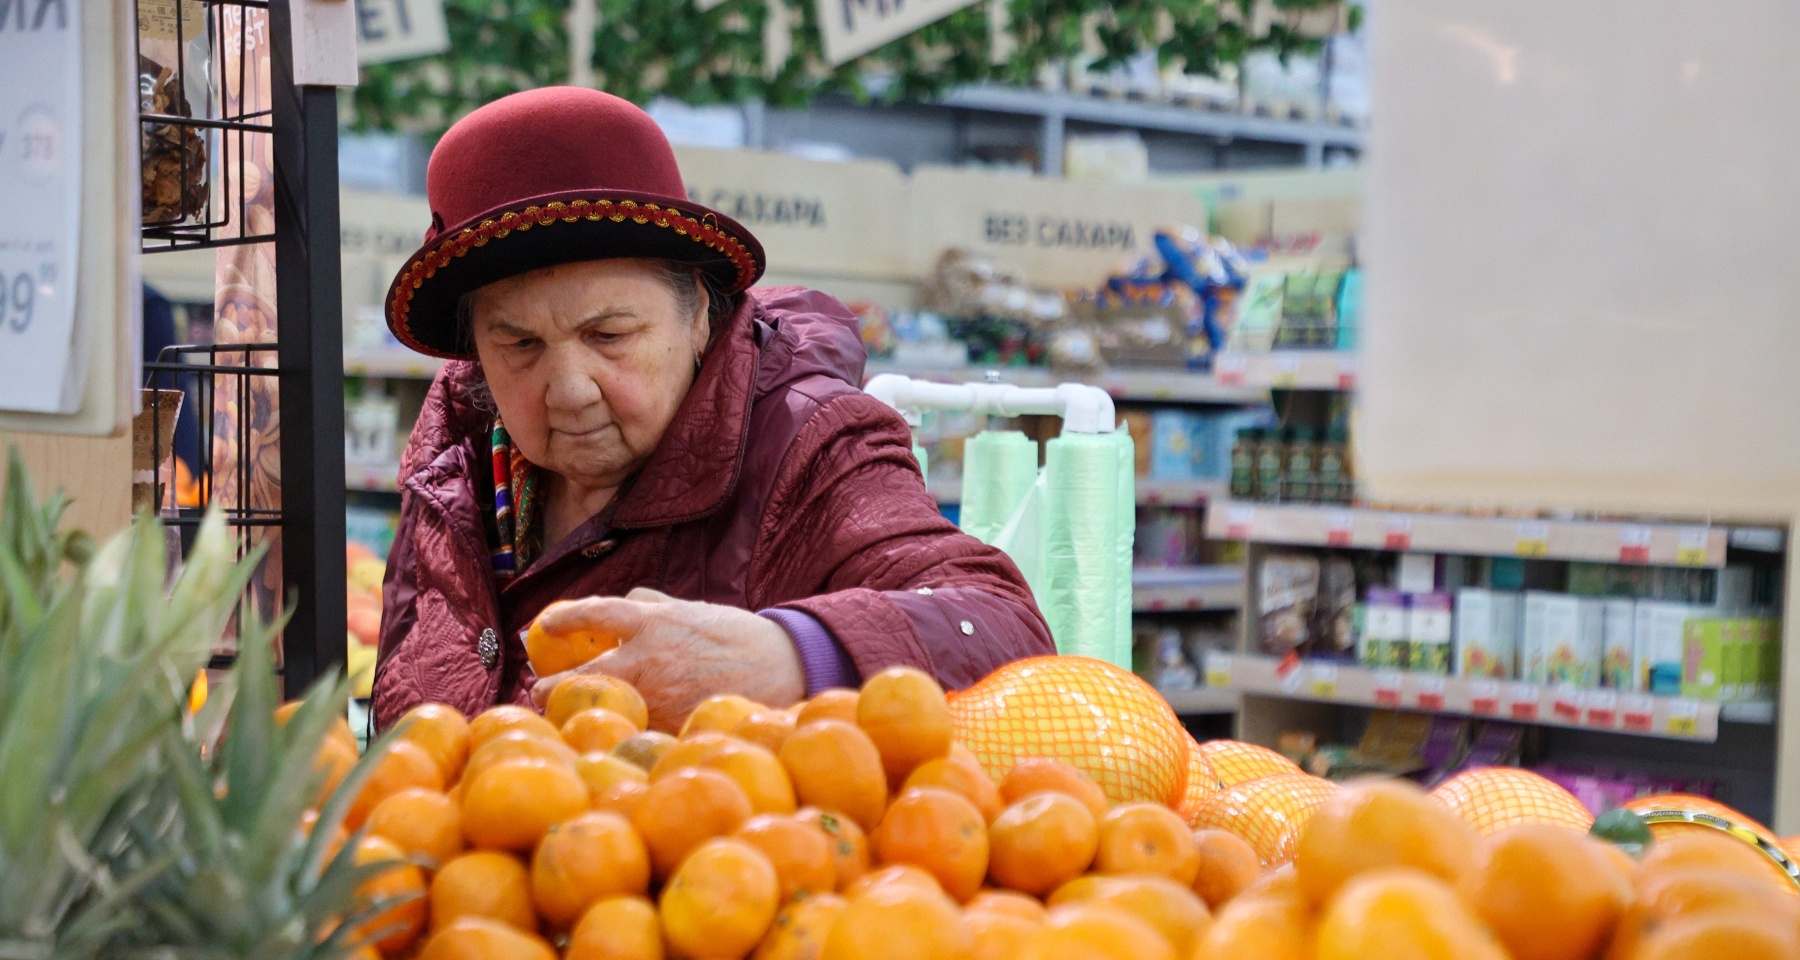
x,y
854,27
1054,230
389,30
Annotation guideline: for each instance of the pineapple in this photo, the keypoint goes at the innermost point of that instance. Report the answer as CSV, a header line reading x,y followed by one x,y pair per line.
x,y
128,826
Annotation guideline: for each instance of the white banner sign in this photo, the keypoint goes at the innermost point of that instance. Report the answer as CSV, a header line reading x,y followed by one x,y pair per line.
x,y
854,27
40,203
399,30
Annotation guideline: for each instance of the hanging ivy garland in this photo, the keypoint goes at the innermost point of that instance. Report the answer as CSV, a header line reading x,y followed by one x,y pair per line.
x,y
649,48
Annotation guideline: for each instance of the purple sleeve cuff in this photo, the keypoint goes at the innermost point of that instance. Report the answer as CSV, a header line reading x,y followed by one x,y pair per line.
x,y
825,662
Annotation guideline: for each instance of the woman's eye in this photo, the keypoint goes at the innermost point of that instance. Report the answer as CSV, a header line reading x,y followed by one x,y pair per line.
x,y
605,338
521,344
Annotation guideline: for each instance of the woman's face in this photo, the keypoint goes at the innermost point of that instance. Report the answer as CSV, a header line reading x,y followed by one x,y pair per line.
x,y
588,363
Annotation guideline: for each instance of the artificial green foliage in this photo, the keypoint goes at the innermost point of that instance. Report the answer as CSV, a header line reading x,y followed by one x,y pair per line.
x,y
649,48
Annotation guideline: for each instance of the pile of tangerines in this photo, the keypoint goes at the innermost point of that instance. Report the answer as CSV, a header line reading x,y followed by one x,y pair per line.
x,y
854,827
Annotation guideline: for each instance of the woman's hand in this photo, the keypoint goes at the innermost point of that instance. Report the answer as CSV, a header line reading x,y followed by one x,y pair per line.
x,y
679,652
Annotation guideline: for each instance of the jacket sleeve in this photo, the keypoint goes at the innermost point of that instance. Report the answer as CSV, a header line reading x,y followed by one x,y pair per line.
x,y
851,536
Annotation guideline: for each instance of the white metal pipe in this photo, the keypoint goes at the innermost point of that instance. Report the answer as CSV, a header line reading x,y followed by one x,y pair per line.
x,y
1083,408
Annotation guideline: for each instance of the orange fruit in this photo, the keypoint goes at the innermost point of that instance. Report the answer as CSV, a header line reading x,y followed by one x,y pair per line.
x,y
1202,782
478,938
422,823
899,874
617,928
552,653
996,935
1735,934
836,766
1228,866
938,831
1233,762
1281,883
1657,807
644,749
404,765
904,712
833,704
483,884
799,850
495,721
590,691
331,765
1402,912
849,845
800,928
338,730
1692,891
1171,908
1702,847
1380,823
442,731
690,751
516,745
1259,928
1547,892
1041,842
1092,931
685,809
768,729
761,775
584,860
721,900
1147,838
604,771
720,713
402,885
596,729
335,840
510,805
898,922
1006,901
622,798
1037,775
1268,813
1493,798
959,776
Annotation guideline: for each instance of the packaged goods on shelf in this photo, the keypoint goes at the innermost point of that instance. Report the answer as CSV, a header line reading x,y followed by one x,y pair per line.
x,y
1428,632
1384,643
1618,625
1487,632
1288,590
1333,632
1659,643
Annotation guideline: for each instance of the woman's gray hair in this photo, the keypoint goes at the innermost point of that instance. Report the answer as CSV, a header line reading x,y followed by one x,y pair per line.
x,y
684,280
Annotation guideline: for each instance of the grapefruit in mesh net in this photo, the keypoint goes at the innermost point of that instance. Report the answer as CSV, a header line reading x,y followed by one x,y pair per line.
x,y
1105,721
1493,798
1202,782
1268,812
1234,761
1671,815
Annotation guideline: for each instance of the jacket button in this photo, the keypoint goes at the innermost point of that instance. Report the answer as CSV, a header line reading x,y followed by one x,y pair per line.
x,y
967,628
599,550
488,648
924,591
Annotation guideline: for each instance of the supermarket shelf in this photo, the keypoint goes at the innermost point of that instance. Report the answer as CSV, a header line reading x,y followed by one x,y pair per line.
x,y
1124,383
1203,701
393,363
1660,544
1640,714
1287,370
372,479
1150,493
1215,587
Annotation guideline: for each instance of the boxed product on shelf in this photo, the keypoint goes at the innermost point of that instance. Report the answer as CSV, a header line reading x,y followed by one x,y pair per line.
x,y
1139,423
1334,616
1618,626
1487,632
1166,537
1428,632
1727,658
1384,628
1659,643
1288,589
1171,445
1554,646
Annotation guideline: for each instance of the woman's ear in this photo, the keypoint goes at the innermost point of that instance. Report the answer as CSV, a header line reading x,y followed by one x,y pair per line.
x,y
700,329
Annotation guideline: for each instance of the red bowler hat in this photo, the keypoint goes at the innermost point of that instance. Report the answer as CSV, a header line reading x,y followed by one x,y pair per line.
x,y
549,176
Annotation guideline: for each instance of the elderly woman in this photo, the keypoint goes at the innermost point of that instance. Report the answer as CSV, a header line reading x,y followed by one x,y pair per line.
x,y
626,424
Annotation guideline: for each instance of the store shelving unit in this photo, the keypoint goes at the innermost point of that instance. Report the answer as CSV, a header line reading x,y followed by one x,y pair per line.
x,y
1150,493
1210,587
1286,370
1203,701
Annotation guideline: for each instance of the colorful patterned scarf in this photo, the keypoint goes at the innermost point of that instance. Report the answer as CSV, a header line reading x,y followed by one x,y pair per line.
x,y
515,507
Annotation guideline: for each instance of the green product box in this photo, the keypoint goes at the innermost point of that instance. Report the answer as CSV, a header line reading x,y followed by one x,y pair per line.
x,y
1769,676
1739,638
1384,630
1703,658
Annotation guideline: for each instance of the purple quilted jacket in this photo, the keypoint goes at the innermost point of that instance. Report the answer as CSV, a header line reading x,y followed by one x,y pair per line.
x,y
779,485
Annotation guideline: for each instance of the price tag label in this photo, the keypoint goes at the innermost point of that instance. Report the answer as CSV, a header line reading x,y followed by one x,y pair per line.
x,y
1399,533
1430,692
1634,544
1635,712
1325,681
1218,670
1238,522
1565,705
1229,369
1484,698
1523,701
1346,378
1340,527
1387,688
1690,549
1684,718
1533,539
1602,709
1287,371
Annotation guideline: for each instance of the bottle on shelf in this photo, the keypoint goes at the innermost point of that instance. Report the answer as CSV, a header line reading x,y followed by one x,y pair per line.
x,y
1299,467
1333,480
1270,452
1243,463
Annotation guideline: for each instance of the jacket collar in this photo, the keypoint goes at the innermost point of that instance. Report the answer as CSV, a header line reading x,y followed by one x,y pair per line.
x,y
695,467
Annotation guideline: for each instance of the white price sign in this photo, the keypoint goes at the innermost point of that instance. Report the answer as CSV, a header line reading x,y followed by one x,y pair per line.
x,y
40,203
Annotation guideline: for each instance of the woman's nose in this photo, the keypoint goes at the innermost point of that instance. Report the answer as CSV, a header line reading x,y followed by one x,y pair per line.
x,y
571,387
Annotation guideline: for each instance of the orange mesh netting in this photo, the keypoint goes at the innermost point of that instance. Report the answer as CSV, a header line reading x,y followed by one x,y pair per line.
x,y
1202,782
1268,813
1235,762
1087,713
1493,798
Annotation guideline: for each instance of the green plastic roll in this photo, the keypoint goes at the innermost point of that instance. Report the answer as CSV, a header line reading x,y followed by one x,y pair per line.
x,y
1081,547
919,455
1124,538
999,467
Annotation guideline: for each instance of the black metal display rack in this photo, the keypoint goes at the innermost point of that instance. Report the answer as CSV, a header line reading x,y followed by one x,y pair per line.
x,y
207,146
